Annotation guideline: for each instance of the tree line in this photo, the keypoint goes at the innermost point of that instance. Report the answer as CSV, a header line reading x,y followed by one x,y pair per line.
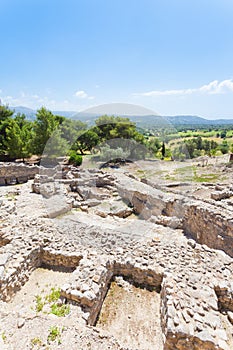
x,y
53,134
116,137
198,146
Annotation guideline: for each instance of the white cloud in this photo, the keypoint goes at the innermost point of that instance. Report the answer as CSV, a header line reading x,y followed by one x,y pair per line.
x,y
35,101
214,87
83,95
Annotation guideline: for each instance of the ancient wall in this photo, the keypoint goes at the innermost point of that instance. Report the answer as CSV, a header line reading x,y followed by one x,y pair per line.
x,y
11,280
18,275
205,222
208,225
52,258
16,173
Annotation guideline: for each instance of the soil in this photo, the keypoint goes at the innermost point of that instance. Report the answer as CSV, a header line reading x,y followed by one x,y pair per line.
x,y
40,283
35,324
132,314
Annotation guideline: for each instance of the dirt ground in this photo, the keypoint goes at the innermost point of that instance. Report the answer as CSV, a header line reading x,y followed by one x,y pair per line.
x,y
25,325
40,283
132,314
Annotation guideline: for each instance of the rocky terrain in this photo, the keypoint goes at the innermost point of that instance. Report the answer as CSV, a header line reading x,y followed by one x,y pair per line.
x,y
115,259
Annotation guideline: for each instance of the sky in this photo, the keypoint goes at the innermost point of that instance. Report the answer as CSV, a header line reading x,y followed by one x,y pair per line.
x,y
174,57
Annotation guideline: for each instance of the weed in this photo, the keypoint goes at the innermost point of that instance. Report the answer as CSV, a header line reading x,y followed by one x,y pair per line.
x,y
60,310
39,303
36,341
54,334
52,298
4,337
54,295
10,196
205,178
185,169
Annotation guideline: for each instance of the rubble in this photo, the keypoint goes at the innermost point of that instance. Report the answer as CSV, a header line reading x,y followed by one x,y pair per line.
x,y
184,252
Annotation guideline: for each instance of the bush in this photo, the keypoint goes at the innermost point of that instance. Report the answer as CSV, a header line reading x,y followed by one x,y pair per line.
x,y
108,153
75,159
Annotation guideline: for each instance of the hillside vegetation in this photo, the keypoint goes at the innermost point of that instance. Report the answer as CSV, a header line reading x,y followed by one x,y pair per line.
x,y
110,137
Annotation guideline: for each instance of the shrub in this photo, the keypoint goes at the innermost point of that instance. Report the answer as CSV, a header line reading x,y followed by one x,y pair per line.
x,y
108,153
60,310
75,159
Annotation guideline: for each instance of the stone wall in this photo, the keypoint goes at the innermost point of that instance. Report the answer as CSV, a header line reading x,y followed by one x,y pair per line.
x,y
210,226
18,274
91,297
52,258
13,278
16,173
205,222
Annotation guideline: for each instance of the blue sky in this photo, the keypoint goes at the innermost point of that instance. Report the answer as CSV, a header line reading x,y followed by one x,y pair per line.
x,y
174,57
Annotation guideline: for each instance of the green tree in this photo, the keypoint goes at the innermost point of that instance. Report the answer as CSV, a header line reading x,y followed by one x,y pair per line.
x,y
18,137
153,145
110,127
44,126
5,117
86,141
71,129
213,144
223,134
224,147
163,150
56,145
199,143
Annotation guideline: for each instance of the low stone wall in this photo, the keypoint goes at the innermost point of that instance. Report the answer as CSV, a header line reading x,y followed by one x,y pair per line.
x,y
18,275
91,297
52,258
143,277
16,173
207,225
183,328
12,279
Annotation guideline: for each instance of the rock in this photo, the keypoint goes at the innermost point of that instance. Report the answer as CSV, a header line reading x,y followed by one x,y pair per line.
x,y
4,258
1,271
56,205
20,322
205,336
219,195
92,202
76,295
230,316
191,243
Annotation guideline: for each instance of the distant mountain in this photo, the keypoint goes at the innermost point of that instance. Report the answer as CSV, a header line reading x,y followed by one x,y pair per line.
x,y
186,119
194,120
31,114
67,114
148,121
143,120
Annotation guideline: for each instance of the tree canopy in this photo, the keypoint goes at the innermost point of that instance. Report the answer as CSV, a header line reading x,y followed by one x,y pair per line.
x,y
54,136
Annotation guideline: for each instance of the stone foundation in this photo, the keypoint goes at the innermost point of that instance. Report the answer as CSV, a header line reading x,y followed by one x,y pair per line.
x,y
19,272
16,173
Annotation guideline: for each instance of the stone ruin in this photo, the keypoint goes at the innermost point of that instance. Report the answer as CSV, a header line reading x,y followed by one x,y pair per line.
x,y
101,225
13,173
